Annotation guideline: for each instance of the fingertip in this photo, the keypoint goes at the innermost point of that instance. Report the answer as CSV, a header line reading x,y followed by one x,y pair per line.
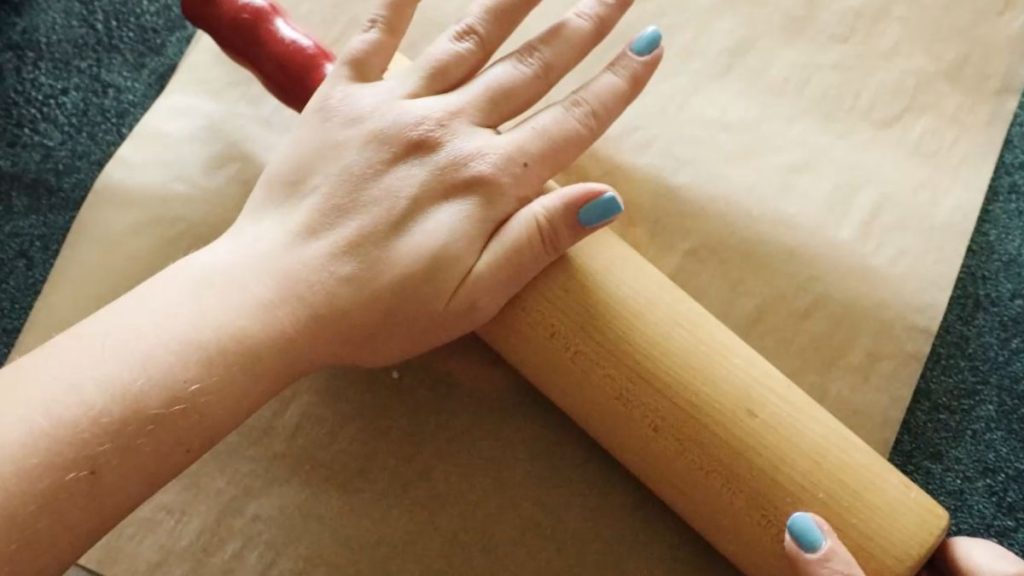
x,y
805,532
646,53
647,42
601,208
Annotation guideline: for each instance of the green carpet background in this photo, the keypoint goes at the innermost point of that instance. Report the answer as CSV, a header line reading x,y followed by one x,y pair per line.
x,y
76,76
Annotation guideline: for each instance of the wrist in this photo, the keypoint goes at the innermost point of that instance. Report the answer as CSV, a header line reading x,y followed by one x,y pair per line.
x,y
242,292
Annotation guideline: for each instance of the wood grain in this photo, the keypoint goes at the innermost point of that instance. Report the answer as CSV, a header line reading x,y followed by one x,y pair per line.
x,y
809,252
725,439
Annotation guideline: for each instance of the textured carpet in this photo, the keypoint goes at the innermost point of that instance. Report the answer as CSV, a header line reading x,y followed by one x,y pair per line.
x,y
76,76
963,438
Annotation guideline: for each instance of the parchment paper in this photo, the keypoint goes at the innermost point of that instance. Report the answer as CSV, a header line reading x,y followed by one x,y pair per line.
x,y
810,171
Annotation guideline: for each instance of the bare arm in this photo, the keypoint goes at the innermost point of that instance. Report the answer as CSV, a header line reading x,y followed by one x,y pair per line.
x,y
102,416
396,218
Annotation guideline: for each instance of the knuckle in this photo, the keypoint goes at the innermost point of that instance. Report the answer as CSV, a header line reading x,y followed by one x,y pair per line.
x,y
423,135
624,70
481,173
598,17
376,23
588,15
533,62
548,235
421,142
583,112
469,35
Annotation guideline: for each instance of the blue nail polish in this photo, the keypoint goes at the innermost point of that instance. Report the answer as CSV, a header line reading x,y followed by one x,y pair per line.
x,y
647,42
600,210
805,533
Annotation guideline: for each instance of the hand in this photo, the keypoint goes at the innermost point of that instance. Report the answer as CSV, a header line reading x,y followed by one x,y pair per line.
x,y
814,550
396,218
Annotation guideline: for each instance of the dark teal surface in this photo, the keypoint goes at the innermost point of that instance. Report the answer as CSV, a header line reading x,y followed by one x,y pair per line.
x,y
75,76
963,437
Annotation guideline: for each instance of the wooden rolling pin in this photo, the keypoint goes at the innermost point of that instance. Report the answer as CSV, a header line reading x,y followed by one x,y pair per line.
x,y
725,439
705,422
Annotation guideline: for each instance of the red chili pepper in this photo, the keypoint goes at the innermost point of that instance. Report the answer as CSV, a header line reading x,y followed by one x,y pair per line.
x,y
258,35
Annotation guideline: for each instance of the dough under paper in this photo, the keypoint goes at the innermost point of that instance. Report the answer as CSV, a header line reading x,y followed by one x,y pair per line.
x,y
810,171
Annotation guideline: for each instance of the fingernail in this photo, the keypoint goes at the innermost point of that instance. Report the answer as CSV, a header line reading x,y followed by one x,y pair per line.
x,y
600,210
805,533
647,42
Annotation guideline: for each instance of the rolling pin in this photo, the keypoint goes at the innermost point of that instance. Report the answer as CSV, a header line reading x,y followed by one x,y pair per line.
x,y
711,427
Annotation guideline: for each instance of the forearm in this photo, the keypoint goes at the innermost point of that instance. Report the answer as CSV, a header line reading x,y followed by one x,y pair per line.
x,y
98,419
402,219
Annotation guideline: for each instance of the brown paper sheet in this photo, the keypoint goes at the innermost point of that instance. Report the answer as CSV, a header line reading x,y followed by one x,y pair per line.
x,y
810,171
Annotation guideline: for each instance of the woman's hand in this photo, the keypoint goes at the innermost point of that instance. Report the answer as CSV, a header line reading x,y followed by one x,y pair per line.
x,y
397,218
814,550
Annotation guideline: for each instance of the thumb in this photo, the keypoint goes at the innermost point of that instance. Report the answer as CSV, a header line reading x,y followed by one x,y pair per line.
x,y
962,556
814,549
532,239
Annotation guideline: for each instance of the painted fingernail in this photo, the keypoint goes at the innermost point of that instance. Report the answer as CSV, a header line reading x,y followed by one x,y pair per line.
x,y
600,210
647,42
805,533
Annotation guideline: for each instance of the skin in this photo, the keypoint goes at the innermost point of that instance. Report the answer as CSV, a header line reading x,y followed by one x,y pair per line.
x,y
396,219
959,556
